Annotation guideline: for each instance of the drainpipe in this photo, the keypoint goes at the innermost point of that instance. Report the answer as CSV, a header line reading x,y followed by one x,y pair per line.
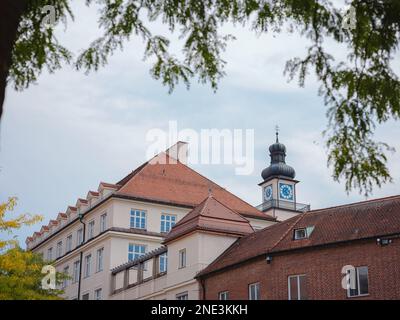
x,y
80,215
203,288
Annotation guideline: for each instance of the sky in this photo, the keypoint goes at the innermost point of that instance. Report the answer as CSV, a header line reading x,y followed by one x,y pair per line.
x,y
62,136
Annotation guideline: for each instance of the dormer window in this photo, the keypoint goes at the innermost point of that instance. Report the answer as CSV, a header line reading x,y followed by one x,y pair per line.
x,y
303,233
300,234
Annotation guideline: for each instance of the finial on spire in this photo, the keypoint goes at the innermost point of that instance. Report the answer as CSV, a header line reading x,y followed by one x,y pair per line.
x,y
277,133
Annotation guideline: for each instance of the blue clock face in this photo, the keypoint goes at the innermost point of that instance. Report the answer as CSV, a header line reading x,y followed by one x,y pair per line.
x,y
268,192
286,191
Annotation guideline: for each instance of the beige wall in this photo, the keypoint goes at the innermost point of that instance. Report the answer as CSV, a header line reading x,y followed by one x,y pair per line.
x,y
201,249
123,208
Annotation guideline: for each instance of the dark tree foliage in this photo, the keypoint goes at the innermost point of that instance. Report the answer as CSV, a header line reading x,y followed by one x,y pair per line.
x,y
359,91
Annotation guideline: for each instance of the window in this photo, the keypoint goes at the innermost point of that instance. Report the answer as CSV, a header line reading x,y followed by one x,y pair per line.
x,y
135,251
68,244
303,233
167,222
297,287
91,229
224,295
50,254
97,294
75,275
300,234
59,249
79,237
88,262
65,281
360,275
254,291
138,219
103,222
85,296
163,261
182,258
182,296
99,259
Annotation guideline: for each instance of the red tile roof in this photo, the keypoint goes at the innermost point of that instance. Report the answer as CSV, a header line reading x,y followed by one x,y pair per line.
x,y
62,215
210,215
177,183
109,185
362,220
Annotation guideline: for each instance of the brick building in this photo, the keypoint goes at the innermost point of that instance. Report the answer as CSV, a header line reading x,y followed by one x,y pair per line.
x,y
306,257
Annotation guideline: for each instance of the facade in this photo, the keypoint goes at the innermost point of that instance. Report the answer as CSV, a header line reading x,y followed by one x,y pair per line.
x,y
166,232
346,252
121,222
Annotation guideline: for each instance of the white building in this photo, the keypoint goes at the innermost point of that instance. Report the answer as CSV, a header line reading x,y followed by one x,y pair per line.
x,y
118,227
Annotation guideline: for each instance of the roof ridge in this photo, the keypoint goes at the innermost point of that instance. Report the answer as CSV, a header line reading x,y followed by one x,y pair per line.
x,y
356,203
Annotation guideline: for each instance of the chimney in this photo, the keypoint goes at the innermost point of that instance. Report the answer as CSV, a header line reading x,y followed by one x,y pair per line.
x,y
179,151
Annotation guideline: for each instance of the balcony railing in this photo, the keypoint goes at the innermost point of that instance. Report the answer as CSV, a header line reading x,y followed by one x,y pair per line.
x,y
283,204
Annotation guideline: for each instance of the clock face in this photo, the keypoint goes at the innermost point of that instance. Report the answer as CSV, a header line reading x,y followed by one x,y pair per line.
x,y
268,193
286,191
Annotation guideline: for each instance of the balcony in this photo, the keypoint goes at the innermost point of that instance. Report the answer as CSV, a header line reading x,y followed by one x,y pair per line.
x,y
282,204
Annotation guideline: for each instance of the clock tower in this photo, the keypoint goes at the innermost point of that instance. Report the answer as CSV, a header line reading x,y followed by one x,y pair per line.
x,y
279,186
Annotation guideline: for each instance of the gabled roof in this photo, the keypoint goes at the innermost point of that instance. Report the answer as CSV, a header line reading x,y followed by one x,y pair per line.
x,y
62,215
362,220
84,201
212,216
174,182
108,185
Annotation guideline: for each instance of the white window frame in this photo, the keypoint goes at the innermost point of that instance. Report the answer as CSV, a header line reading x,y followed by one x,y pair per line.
x,y
223,295
134,252
297,276
99,259
256,286
142,216
91,225
182,259
88,265
68,243
357,275
50,254
75,275
300,238
79,237
103,222
164,257
65,281
59,249
98,296
169,222
182,296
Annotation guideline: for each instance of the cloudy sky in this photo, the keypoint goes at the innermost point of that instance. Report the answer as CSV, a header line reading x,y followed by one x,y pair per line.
x,y
62,136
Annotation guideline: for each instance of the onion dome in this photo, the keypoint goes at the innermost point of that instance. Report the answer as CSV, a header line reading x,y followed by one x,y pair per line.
x,y
278,167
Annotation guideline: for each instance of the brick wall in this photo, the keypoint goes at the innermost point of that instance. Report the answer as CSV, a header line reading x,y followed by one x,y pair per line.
x,y
322,267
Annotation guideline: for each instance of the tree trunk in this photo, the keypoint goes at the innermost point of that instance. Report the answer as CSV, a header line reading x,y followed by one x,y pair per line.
x,y
10,16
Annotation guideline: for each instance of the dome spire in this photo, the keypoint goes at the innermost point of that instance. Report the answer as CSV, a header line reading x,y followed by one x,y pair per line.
x,y
278,166
277,133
